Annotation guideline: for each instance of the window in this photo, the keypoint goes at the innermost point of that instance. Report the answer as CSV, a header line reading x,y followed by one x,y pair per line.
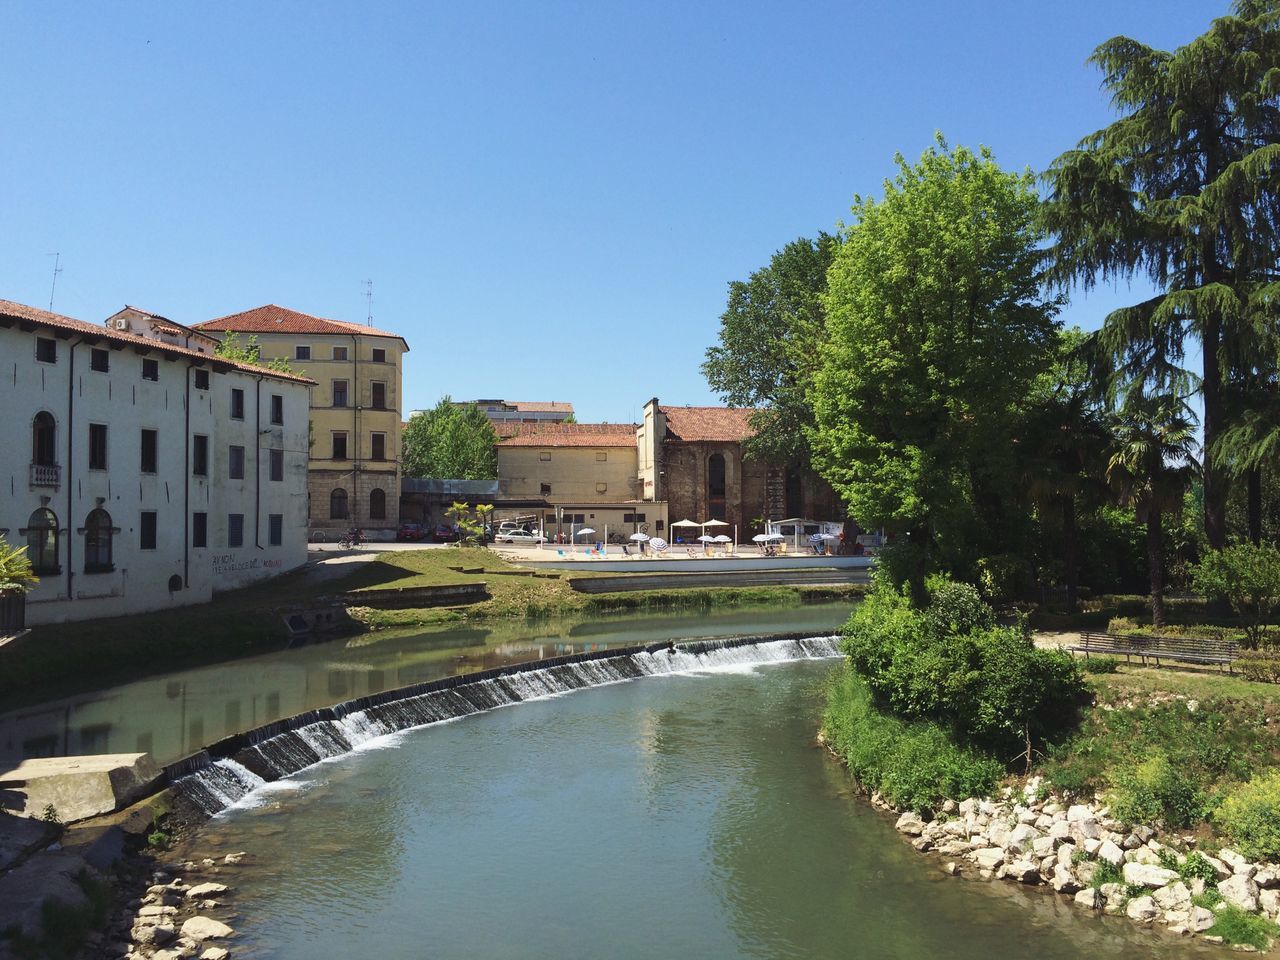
x,y
379,355
235,530
633,518
545,490
97,542
338,504
544,455
199,530
379,445
147,530
339,393
150,443
150,368
44,435
301,353
277,408
237,403
199,455
97,446
100,361
715,475
339,446
202,379
46,350
42,541
602,455
339,353
275,529
277,464
379,400
235,462
377,504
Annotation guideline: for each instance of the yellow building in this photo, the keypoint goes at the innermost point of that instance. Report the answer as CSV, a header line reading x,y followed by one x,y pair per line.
x,y
354,466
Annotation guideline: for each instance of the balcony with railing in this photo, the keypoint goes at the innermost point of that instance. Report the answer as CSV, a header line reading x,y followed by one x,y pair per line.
x,y
45,474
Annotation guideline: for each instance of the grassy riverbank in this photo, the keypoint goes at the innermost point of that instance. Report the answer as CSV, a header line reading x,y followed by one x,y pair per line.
x,y
64,659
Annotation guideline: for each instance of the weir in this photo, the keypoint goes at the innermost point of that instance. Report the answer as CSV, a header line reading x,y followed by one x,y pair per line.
x,y
229,770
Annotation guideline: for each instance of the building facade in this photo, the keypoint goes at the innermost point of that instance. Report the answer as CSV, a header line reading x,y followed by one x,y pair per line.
x,y
354,468
505,413
694,459
141,474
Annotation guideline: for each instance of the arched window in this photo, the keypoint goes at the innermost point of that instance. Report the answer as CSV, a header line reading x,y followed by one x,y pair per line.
x,y
715,475
42,541
97,542
338,504
377,504
44,440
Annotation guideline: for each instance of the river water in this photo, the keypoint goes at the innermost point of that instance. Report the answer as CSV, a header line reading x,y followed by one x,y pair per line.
x,y
175,714
686,815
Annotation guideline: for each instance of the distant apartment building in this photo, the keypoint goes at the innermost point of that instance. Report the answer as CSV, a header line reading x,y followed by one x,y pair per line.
x,y
503,414
354,468
140,473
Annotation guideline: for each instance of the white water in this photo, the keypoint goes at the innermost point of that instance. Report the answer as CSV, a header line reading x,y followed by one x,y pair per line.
x,y
235,781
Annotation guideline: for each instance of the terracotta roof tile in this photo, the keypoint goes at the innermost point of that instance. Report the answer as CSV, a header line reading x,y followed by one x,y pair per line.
x,y
568,435
96,333
275,319
729,424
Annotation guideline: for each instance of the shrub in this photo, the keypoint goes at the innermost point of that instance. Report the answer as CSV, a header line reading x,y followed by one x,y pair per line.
x,y
1250,816
1154,790
956,608
1100,664
1122,625
1248,577
1262,666
915,765
1107,872
1233,925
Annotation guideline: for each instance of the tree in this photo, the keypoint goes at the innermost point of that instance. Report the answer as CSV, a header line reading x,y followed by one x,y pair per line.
x,y
936,332
1248,576
470,522
16,573
450,441
1184,189
1151,467
230,348
768,350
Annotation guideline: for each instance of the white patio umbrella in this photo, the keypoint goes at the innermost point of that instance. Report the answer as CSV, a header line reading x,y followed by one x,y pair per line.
x,y
761,537
706,539
716,523
722,538
640,537
657,544
584,531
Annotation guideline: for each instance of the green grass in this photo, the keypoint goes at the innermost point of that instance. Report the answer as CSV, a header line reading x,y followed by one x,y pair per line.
x,y
1235,926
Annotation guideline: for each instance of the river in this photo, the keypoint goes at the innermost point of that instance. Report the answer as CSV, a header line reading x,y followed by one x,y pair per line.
x,y
686,815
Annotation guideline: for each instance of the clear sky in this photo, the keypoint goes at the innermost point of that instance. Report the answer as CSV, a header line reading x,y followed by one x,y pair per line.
x,y
549,197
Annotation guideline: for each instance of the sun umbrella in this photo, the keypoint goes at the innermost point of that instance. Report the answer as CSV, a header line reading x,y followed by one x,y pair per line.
x,y
761,537
685,523
772,537
705,539
818,537
722,538
584,531
715,523
657,543
640,537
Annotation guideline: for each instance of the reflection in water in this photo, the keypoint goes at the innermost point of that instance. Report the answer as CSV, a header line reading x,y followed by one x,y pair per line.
x,y
682,816
175,715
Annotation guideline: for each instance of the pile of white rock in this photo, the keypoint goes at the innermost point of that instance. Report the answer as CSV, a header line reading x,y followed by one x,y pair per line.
x,y
170,920
1029,840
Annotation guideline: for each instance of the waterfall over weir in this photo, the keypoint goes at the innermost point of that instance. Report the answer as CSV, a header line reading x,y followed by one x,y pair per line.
x,y
230,769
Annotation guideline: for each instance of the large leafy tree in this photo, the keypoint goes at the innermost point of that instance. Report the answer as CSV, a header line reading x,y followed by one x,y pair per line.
x,y
1183,189
450,441
936,331
768,350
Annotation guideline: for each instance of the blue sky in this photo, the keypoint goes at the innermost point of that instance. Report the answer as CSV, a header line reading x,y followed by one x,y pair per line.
x,y
550,198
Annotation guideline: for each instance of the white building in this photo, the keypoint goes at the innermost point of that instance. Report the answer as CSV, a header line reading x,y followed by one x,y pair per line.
x,y
142,474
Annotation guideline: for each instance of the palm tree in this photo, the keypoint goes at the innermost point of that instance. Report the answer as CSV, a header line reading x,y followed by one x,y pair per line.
x,y
1150,468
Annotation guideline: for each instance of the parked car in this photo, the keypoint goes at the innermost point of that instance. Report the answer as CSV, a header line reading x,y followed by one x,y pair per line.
x,y
519,536
411,532
446,533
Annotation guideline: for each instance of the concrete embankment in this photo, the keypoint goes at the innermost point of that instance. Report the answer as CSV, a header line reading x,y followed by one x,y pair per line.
x,y
734,578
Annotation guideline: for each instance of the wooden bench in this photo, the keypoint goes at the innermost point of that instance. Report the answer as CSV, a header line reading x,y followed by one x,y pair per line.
x,y
1147,648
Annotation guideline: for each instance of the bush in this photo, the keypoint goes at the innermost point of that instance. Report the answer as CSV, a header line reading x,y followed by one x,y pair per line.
x,y
1248,577
1100,664
1154,790
914,765
1250,816
1262,666
989,686
1123,625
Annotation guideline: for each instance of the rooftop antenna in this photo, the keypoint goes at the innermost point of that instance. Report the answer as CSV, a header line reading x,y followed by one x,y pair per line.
x,y
57,259
368,298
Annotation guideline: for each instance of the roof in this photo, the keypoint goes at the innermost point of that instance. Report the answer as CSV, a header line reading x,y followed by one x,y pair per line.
x,y
96,333
163,324
275,319
521,406
709,423
570,435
